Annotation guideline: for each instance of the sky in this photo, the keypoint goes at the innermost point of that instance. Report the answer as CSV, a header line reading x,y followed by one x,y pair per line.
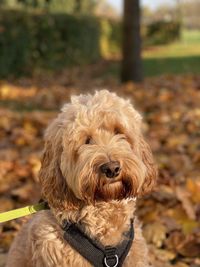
x,y
151,3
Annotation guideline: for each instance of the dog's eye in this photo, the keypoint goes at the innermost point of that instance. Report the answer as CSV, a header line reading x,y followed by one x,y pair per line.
x,y
117,131
88,140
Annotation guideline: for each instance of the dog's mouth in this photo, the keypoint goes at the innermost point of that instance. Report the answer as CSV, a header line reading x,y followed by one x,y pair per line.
x,y
109,189
111,185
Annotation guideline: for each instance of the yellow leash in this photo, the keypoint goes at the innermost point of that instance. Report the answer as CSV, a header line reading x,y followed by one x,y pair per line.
x,y
17,213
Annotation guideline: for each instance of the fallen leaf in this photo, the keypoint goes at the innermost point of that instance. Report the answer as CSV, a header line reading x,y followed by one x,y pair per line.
x,y
193,187
183,196
164,255
155,233
6,204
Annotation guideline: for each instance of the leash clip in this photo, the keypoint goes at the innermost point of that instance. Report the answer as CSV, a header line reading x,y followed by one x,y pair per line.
x,y
117,261
110,255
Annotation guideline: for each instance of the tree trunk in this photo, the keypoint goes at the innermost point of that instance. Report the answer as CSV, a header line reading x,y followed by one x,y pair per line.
x,y
131,44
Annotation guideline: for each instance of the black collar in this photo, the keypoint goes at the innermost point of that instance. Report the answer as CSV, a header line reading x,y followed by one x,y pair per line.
x,y
94,251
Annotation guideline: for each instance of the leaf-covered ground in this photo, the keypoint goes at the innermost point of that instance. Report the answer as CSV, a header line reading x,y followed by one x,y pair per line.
x,y
171,109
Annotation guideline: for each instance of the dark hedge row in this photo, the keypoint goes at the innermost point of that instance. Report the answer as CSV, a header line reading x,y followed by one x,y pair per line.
x,y
162,32
30,40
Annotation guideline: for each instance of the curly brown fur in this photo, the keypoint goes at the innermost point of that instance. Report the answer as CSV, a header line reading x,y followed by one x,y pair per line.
x,y
91,131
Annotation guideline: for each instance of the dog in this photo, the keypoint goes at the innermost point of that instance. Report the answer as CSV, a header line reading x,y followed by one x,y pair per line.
x,y
94,166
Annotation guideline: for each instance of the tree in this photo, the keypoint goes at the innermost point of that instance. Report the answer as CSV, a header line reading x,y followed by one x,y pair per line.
x,y
131,43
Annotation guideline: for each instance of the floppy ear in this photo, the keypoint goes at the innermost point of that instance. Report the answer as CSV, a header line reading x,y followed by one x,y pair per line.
x,y
143,149
50,176
54,186
151,169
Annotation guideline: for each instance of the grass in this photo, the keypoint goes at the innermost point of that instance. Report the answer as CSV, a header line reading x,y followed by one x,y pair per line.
x,y
188,45
172,65
180,57
191,36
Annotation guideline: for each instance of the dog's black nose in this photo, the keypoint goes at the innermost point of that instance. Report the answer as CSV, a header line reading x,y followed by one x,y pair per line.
x,y
111,169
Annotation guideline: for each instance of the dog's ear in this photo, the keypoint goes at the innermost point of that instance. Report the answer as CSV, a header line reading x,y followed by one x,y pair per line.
x,y
54,185
50,176
151,169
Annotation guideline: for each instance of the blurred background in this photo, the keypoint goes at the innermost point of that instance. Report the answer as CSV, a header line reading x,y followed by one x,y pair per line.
x,y
148,51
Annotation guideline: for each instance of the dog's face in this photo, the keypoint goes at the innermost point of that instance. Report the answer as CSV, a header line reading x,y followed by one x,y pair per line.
x,y
95,151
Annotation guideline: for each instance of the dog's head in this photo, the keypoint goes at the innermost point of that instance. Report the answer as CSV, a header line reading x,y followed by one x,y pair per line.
x,y
95,151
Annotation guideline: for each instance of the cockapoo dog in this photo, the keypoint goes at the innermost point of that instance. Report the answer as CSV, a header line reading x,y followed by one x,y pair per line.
x,y
95,164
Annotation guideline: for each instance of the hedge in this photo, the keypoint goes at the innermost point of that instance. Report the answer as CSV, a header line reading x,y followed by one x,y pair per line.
x,y
31,40
162,32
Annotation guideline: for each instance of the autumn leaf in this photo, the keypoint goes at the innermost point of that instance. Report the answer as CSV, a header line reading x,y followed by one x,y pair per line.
x,y
193,187
155,233
184,197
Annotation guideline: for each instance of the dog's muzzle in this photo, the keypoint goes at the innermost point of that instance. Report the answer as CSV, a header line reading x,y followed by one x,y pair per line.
x,y
110,169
